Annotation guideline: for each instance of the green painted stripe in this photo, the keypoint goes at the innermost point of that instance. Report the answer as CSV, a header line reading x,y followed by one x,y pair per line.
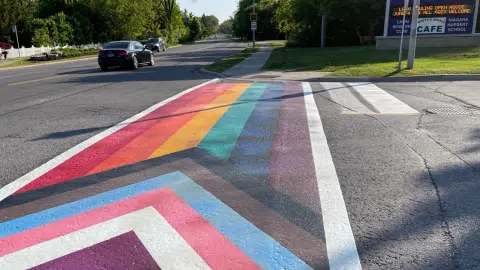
x,y
221,139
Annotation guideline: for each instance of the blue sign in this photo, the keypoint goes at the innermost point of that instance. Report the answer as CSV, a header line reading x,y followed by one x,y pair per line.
x,y
436,17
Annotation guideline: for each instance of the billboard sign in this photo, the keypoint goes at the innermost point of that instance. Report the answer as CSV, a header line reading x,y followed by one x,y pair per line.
x,y
435,17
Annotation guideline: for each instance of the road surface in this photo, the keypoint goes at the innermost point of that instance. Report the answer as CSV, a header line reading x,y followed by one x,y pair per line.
x,y
164,168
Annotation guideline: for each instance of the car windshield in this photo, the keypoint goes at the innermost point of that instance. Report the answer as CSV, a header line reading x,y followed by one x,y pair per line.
x,y
153,40
117,45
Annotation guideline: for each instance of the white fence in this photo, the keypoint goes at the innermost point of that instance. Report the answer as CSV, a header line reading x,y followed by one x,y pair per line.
x,y
13,52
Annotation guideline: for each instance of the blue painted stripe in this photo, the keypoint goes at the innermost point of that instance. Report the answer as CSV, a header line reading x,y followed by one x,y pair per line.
x,y
221,139
256,244
252,150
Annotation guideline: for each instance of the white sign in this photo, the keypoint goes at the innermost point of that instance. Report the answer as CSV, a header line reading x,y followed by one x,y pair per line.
x,y
431,25
254,26
14,29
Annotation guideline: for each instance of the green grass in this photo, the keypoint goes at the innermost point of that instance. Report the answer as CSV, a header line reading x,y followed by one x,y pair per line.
x,y
24,61
230,61
367,61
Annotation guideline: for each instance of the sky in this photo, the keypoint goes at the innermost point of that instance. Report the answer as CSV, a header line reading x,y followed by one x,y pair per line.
x,y
222,9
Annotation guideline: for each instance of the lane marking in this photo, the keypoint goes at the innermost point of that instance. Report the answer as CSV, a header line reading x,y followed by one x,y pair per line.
x,y
30,73
381,100
173,252
38,80
54,162
341,248
342,95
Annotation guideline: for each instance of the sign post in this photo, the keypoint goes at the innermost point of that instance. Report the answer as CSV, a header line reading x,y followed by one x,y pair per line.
x,y
400,53
412,46
14,29
253,30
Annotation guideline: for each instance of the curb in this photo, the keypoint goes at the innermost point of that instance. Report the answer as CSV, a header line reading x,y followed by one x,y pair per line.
x,y
211,73
176,46
414,78
48,64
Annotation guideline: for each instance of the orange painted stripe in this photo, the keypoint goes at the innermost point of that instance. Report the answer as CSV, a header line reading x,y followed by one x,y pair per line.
x,y
191,134
144,145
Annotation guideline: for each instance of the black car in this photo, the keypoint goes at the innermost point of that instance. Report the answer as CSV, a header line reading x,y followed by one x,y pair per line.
x,y
125,54
156,44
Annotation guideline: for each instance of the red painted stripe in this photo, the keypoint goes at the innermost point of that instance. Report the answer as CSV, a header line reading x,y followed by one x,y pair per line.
x,y
83,162
144,145
217,251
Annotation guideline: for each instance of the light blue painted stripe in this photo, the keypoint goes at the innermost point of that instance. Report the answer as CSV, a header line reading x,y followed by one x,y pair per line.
x,y
221,139
256,244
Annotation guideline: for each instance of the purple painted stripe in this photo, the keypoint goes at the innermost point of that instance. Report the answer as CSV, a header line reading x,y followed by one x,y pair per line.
x,y
252,150
291,162
125,251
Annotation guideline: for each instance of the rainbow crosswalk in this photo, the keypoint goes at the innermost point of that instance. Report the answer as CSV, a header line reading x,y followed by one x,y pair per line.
x,y
223,176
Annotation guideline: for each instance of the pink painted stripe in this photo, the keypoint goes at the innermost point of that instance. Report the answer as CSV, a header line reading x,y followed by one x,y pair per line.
x,y
83,162
291,156
207,241
217,251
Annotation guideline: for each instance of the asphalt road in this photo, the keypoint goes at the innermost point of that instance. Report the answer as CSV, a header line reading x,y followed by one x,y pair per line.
x,y
410,180
46,110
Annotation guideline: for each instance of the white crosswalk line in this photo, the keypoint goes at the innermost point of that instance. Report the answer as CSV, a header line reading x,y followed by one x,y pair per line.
x,y
382,101
342,95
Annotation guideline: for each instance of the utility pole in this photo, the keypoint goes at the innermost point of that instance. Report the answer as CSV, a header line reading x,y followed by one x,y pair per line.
x,y
322,42
400,54
412,46
253,30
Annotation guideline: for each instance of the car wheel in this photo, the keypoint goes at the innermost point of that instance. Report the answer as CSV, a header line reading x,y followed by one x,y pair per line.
x,y
104,68
152,61
134,62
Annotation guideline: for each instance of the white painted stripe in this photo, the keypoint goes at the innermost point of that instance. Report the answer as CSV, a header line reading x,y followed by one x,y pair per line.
x,y
342,95
381,100
162,241
29,177
341,248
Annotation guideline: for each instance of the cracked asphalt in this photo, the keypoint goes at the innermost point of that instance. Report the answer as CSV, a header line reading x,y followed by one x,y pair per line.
x,y
411,183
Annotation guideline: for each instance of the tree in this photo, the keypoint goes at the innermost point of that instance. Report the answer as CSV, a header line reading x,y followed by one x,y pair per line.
x,y
266,28
210,24
196,28
41,37
226,26
19,13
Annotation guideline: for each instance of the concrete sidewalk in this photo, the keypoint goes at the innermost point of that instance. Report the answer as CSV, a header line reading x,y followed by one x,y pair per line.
x,y
252,64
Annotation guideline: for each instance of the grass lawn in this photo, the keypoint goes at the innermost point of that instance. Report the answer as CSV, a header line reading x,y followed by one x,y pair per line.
x,y
23,61
366,61
230,61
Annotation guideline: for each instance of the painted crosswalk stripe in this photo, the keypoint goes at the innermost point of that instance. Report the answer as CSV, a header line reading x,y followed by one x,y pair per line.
x,y
342,95
382,101
341,248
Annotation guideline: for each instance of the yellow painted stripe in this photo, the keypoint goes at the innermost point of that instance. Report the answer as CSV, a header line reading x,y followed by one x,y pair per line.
x,y
196,129
37,80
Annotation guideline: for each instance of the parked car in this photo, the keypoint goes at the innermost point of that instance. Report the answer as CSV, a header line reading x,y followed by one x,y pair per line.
x,y
156,44
126,54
